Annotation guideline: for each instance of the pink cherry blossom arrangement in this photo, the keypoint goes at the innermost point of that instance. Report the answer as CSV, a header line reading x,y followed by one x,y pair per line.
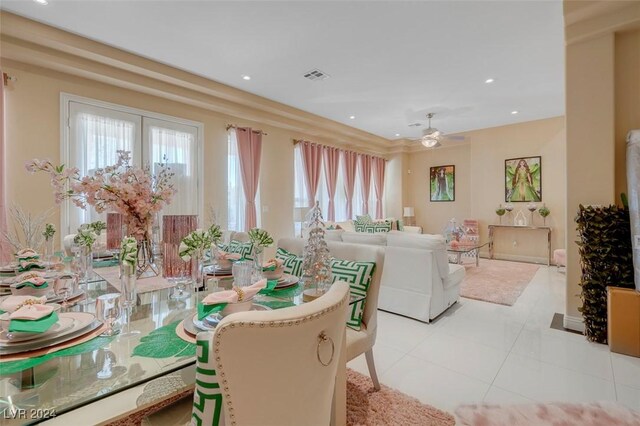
x,y
132,191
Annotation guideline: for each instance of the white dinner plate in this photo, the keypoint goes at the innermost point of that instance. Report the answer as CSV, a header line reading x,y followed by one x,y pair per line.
x,y
57,328
80,321
210,322
287,280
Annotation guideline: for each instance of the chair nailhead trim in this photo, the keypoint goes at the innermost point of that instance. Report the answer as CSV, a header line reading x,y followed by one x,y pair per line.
x,y
298,321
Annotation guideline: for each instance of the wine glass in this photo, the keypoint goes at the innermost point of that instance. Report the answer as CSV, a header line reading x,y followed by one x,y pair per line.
x,y
64,286
108,311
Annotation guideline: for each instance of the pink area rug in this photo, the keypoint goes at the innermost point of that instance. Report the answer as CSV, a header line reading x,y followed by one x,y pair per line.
x,y
388,406
365,407
497,281
554,414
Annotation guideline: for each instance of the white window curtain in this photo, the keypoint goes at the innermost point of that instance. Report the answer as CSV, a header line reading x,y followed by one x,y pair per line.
x,y
176,145
97,139
97,130
358,198
236,200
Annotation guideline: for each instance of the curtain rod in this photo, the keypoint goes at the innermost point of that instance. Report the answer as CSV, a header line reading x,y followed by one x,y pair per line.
x,y
297,141
6,78
233,126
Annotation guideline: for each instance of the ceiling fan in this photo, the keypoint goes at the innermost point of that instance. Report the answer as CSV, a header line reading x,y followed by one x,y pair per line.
x,y
431,136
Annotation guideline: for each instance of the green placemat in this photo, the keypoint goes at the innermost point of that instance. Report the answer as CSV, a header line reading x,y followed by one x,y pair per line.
x,y
164,343
23,364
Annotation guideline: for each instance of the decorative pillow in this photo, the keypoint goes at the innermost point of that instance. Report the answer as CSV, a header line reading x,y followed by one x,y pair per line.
x,y
358,275
365,218
373,227
244,249
292,263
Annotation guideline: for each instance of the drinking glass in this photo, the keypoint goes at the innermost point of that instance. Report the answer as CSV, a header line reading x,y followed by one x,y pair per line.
x,y
242,272
108,311
64,286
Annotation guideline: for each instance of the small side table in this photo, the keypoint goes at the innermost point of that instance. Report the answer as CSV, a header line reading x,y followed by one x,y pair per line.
x,y
462,249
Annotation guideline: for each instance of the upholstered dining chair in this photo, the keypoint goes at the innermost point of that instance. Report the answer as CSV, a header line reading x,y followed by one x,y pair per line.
x,y
362,341
272,367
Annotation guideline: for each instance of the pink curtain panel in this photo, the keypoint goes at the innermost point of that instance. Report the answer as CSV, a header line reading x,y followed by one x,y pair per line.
x,y
311,162
331,162
350,161
4,247
250,150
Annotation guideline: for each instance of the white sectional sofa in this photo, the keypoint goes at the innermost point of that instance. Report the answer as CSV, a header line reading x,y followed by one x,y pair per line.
x,y
417,280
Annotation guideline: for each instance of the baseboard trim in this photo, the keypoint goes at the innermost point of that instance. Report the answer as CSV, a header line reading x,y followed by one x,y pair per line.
x,y
515,258
573,323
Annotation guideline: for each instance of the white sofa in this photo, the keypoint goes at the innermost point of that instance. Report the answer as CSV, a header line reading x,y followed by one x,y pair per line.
x,y
417,280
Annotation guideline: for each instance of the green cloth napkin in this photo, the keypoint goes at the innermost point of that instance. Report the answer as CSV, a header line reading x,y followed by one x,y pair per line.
x,y
30,266
269,268
271,285
206,310
31,326
32,285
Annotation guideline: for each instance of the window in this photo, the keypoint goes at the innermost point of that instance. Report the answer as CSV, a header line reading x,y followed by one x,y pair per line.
x,y
95,131
322,195
236,200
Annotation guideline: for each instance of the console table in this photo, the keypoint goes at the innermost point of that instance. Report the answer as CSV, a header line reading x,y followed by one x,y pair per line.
x,y
547,229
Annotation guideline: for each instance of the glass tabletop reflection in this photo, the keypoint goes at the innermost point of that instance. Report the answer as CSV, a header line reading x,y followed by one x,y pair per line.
x,y
63,383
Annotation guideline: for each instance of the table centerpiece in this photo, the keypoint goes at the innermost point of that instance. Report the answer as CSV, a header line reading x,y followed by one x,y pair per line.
x,y
133,191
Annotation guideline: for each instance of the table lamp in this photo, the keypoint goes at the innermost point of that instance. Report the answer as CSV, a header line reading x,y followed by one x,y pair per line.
x,y
299,213
409,216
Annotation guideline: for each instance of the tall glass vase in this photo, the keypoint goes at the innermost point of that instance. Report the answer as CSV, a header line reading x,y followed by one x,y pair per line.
x,y
49,253
258,254
146,264
197,270
85,262
128,284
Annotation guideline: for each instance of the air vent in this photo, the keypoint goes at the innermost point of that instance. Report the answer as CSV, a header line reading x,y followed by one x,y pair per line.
x,y
316,75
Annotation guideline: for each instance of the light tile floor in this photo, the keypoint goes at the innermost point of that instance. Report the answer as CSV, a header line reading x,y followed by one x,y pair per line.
x,y
479,351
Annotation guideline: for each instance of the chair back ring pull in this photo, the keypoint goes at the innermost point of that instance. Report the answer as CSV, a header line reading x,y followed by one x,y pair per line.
x,y
321,339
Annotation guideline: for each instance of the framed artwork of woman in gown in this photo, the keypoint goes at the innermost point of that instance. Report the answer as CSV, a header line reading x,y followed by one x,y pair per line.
x,y
523,179
442,183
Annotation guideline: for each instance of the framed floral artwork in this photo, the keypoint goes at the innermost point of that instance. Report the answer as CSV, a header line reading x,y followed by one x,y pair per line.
x,y
442,183
523,179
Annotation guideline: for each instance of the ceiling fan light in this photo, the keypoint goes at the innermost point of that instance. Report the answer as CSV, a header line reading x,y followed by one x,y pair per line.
x,y
429,141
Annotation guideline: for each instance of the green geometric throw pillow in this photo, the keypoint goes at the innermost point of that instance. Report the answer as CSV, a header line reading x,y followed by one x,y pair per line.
x,y
374,227
365,218
358,275
292,263
244,249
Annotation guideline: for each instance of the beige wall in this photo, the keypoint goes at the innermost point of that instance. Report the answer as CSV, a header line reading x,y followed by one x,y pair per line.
x,y
601,101
33,130
479,183
627,98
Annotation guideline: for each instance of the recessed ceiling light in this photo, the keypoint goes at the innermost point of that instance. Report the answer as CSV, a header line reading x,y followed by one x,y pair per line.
x,y
352,117
246,77
514,112
42,2
489,80
397,134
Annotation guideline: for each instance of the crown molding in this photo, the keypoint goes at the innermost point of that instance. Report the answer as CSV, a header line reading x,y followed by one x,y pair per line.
x,y
33,43
585,20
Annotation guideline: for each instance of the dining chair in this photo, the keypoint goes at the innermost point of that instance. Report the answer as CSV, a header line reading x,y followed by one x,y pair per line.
x,y
272,367
362,341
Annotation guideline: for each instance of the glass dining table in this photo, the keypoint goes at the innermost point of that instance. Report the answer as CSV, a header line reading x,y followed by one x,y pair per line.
x,y
33,391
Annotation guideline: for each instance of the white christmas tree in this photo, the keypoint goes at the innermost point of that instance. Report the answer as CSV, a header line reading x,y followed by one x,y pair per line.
x,y
316,263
